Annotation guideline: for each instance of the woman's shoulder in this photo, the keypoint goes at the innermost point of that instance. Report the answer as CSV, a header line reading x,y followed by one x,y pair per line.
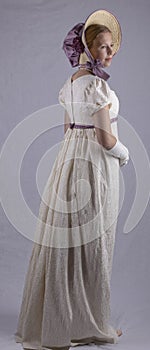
x,y
77,79
87,82
79,74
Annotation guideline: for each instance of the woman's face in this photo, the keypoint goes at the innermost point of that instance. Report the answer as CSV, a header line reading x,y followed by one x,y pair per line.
x,y
102,48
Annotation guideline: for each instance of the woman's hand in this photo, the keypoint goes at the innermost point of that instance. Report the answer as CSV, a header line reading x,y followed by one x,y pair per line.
x,y
119,151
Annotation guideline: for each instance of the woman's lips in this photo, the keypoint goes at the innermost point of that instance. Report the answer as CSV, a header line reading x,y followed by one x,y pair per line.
x,y
109,59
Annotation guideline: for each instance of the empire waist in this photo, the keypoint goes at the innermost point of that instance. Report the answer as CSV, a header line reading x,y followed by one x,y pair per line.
x,y
81,126
84,126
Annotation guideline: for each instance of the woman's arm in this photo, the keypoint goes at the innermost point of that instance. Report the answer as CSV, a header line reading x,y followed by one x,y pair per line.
x,y
67,121
105,137
101,121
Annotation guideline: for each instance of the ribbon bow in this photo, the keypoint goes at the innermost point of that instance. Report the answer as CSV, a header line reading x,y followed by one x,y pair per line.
x,y
73,47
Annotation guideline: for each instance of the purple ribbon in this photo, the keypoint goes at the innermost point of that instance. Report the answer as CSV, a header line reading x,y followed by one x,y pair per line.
x,y
84,126
73,47
80,126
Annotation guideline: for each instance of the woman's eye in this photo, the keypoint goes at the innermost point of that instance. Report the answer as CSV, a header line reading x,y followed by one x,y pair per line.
x,y
105,46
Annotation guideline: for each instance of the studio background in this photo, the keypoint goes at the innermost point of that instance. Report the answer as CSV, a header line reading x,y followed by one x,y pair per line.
x,y
33,68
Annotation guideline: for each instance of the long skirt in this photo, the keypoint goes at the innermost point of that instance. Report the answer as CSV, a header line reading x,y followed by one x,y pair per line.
x,y
66,297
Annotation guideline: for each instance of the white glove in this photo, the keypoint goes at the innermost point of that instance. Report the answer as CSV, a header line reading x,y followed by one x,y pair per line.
x,y
119,151
123,162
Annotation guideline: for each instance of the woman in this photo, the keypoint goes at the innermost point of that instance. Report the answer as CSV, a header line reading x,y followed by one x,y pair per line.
x,y
66,298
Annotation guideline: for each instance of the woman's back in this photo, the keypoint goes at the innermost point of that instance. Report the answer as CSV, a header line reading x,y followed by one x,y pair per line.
x,y
89,94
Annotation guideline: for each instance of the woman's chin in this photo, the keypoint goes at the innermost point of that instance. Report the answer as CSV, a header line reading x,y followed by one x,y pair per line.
x,y
107,63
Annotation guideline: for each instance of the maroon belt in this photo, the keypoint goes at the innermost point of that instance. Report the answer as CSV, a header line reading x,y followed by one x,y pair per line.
x,y
80,126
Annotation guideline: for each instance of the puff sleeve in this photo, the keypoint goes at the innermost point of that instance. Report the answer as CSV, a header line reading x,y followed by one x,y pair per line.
x,y
97,95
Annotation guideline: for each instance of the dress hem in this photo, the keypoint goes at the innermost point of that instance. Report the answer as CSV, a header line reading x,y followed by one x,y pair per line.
x,y
73,343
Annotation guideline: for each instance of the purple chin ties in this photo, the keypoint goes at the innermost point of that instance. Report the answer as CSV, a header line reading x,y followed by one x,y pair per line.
x,y
73,47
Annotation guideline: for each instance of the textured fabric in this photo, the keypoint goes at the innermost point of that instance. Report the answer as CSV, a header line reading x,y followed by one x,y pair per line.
x,y
66,295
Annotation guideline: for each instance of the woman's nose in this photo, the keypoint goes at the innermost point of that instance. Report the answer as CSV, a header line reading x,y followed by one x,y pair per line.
x,y
109,50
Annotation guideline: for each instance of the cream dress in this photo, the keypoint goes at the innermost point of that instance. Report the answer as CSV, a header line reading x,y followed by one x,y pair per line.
x,y
66,297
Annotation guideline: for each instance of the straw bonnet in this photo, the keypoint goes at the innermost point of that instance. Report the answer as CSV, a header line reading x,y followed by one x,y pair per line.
x,y
109,20
75,47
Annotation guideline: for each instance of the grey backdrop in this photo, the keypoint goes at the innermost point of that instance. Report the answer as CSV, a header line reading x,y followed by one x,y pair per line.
x,y
33,67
